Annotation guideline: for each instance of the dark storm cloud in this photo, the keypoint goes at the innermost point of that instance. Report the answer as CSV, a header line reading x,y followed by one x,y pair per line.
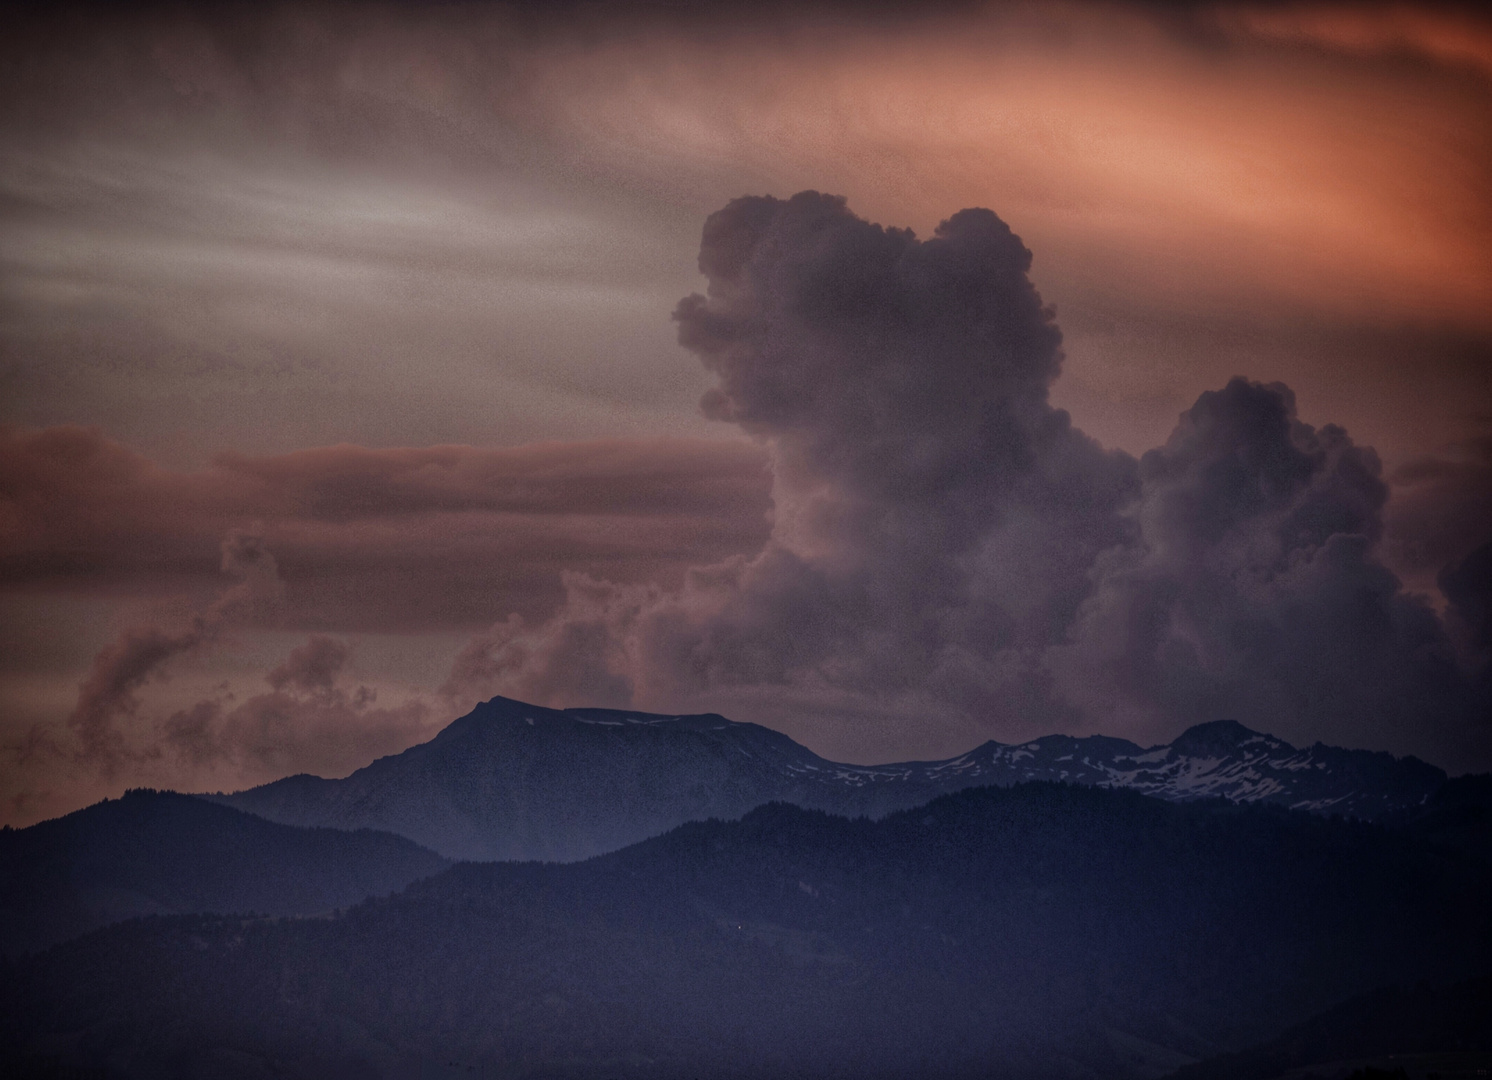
x,y
1253,591
902,387
945,540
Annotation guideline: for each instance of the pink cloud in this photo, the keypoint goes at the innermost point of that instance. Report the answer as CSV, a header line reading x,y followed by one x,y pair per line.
x,y
139,653
311,720
452,535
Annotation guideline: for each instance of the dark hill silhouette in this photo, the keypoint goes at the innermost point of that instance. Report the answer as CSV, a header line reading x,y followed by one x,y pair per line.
x,y
157,852
1446,1030
516,781
1459,815
1034,931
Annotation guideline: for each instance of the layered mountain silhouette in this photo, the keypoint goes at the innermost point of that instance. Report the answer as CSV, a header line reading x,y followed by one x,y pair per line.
x,y
154,852
1424,1030
1041,930
517,781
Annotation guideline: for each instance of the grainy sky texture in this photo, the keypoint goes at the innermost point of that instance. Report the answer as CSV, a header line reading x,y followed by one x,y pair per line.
x,y
357,361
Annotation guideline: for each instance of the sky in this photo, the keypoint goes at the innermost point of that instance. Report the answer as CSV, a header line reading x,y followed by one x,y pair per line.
x,y
897,377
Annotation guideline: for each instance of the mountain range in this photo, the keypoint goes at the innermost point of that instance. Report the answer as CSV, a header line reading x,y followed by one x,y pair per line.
x,y
1037,931
517,781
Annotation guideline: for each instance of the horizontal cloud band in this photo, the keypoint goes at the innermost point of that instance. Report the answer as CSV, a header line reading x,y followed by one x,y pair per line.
x,y
444,531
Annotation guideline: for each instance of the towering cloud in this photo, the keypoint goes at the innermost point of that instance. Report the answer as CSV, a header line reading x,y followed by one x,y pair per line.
x,y
1252,591
947,545
935,515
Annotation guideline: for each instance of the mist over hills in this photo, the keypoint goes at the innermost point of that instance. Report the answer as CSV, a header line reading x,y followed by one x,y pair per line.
x,y
1034,931
517,781
158,853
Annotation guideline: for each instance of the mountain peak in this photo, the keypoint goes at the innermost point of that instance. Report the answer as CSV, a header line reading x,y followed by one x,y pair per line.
x,y
1217,738
497,710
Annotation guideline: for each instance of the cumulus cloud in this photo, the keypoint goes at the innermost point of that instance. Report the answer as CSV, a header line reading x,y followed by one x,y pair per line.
x,y
1252,591
315,717
901,388
947,545
583,655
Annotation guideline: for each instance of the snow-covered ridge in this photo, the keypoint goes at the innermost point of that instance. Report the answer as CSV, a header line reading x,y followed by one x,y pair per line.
x,y
1218,759
516,781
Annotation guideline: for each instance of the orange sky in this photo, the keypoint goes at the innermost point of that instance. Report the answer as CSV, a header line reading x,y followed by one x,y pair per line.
x,y
1275,175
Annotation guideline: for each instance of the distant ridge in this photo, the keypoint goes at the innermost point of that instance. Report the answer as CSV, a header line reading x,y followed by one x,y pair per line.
x,y
516,781
161,853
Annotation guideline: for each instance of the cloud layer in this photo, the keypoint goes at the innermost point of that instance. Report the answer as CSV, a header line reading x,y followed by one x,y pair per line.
x,y
441,530
276,227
